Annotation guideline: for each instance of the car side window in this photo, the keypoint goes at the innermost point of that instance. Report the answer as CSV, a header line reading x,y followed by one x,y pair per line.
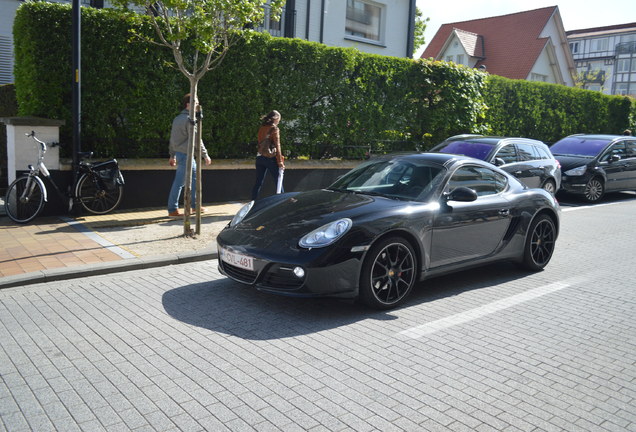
x,y
630,149
526,152
483,181
544,153
617,149
507,153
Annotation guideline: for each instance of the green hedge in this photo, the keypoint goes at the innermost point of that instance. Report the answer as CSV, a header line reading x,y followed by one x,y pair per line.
x,y
549,112
331,99
334,101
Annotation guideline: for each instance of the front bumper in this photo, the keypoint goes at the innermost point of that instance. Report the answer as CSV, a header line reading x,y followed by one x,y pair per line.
x,y
573,184
338,278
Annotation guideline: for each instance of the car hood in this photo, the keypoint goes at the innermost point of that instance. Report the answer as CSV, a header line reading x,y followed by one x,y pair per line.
x,y
569,162
281,224
306,211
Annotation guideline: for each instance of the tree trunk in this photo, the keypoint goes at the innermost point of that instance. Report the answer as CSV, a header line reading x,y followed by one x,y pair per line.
x,y
187,195
197,152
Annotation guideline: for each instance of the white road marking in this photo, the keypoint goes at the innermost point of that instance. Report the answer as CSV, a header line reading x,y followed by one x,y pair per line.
x,y
97,238
473,314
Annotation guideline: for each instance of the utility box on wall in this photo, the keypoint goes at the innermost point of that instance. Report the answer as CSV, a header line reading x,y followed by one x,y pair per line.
x,y
22,151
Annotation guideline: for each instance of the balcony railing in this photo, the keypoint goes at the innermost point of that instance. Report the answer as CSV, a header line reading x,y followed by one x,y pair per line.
x,y
626,48
593,77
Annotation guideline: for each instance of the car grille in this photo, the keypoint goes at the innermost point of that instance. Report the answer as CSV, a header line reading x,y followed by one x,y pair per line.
x,y
240,274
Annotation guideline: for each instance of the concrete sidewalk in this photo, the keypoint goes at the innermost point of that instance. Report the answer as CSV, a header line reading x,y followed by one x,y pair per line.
x,y
59,248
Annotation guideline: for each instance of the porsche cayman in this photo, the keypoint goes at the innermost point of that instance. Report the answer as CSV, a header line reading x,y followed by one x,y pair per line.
x,y
387,224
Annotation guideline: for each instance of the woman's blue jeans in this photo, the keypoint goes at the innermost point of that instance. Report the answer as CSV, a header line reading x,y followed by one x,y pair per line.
x,y
263,166
179,182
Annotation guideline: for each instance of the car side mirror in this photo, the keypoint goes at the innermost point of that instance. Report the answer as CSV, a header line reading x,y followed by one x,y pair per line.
x,y
499,161
614,158
462,194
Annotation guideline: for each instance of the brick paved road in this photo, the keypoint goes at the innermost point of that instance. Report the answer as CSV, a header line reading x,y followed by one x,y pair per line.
x,y
488,350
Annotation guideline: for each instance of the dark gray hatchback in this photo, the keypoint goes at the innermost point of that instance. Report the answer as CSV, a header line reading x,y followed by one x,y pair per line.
x,y
595,164
529,160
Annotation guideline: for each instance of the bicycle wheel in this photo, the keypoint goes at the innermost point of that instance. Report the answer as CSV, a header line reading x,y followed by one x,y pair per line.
x,y
96,199
25,199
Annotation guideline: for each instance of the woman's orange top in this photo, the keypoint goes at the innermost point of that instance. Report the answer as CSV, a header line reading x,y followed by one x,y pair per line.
x,y
274,136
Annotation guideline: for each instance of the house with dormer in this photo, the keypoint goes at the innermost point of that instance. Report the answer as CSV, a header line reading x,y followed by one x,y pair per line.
x,y
384,27
530,45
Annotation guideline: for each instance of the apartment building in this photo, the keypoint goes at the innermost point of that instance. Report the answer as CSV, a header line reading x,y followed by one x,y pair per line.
x,y
605,58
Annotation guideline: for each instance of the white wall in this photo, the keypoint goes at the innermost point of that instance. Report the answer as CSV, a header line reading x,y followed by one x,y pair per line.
x,y
562,50
543,67
7,14
394,31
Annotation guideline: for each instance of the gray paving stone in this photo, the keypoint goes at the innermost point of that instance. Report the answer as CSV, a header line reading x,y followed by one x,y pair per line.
x,y
148,351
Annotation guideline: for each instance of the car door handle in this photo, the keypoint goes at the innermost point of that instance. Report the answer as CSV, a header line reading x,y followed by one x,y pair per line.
x,y
504,212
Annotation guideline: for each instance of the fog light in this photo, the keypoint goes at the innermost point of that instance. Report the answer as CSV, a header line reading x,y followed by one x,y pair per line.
x,y
299,272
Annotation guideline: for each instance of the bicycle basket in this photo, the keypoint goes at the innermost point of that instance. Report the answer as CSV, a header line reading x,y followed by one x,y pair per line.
x,y
108,174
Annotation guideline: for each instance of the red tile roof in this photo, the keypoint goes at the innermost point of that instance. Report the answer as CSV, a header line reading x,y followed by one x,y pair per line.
x,y
511,42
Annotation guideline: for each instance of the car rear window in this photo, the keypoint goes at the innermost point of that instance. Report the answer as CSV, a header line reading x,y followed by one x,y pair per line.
x,y
578,146
467,148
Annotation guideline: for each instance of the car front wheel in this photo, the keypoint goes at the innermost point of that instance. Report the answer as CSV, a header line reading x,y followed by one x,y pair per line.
x,y
594,190
388,273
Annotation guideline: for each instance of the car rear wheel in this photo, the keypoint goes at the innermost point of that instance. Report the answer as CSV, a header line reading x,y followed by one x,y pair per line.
x,y
594,190
540,242
388,273
549,186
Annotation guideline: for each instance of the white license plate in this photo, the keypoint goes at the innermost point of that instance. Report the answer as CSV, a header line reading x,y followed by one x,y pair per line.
x,y
237,260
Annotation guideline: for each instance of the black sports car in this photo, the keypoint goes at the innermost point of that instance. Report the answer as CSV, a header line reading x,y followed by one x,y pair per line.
x,y
385,225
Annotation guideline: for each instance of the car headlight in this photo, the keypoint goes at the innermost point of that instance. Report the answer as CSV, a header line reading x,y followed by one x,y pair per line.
x,y
238,217
579,171
326,234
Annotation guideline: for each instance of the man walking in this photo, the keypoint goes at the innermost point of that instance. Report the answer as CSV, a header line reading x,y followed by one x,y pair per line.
x,y
179,157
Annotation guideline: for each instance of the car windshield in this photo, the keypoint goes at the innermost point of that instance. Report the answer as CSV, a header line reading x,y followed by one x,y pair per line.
x,y
396,178
467,148
578,146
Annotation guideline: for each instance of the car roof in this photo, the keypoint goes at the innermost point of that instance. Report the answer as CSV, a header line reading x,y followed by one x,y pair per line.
x,y
599,136
492,140
436,158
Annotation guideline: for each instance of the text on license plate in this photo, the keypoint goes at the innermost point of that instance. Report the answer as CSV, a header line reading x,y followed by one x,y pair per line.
x,y
237,260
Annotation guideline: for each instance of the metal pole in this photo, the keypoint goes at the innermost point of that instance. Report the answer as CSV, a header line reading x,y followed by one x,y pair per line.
x,y
76,104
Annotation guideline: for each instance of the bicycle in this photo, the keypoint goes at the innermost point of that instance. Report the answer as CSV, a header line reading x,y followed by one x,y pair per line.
x,y
99,187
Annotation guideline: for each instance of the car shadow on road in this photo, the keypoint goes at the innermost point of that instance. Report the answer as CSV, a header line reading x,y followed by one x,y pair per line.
x,y
231,308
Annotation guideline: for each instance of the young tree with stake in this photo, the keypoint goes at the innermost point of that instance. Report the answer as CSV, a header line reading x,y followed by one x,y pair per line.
x,y
209,28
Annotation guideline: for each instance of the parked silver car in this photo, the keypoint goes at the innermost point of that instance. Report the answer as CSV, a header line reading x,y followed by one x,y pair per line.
x,y
529,160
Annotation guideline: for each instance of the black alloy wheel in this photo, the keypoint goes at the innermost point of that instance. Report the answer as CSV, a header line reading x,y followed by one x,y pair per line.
x,y
388,273
594,190
540,243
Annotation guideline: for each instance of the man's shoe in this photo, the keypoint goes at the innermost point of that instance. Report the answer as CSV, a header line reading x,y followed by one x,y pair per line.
x,y
203,210
175,213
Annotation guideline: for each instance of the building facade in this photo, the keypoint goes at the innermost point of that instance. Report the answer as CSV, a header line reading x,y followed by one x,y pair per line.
x,y
605,58
383,27
529,45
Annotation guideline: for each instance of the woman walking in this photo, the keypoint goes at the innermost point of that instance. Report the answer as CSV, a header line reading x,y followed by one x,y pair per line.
x,y
269,157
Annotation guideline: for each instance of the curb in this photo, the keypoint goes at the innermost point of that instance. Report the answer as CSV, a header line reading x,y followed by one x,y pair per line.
x,y
60,274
